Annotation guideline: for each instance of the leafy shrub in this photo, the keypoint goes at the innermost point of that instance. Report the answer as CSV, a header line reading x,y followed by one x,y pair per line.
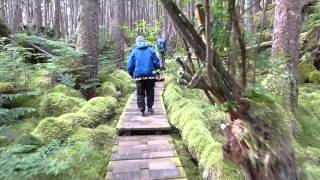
x,y
55,104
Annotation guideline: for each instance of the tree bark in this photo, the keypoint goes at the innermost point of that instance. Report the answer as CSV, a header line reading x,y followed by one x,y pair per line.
x,y
117,31
88,37
57,19
286,33
37,12
17,16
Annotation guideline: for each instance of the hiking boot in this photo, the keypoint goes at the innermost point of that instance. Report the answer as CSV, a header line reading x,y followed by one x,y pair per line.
x,y
142,113
150,110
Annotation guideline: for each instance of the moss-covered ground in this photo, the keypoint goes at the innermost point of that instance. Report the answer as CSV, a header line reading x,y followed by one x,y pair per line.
x,y
68,137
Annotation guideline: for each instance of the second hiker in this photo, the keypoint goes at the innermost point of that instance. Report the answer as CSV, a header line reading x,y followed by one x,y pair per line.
x,y
143,64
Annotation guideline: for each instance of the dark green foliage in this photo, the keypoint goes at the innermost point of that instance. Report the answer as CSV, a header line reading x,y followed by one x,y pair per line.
x,y
4,30
10,116
26,161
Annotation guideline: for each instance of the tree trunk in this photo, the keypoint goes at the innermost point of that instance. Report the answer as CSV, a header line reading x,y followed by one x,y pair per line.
x,y
37,12
286,33
249,15
257,6
117,30
57,19
88,37
17,17
46,12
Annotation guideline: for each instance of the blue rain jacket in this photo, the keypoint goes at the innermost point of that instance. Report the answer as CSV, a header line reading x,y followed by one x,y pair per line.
x,y
143,62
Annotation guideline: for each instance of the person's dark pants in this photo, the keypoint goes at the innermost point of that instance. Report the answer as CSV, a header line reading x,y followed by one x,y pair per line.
x,y
145,87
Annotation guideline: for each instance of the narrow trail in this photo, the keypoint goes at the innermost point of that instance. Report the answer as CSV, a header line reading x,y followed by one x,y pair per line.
x,y
144,150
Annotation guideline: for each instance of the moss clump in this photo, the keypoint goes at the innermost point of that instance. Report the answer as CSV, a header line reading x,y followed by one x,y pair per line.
x,y
38,80
122,81
67,91
6,87
99,109
83,161
109,89
52,128
77,119
100,136
314,77
56,104
305,68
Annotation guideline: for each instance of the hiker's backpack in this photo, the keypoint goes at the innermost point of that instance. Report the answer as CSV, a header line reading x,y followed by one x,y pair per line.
x,y
162,45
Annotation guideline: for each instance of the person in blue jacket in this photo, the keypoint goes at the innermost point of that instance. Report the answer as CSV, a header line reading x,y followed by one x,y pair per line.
x,y
162,50
143,65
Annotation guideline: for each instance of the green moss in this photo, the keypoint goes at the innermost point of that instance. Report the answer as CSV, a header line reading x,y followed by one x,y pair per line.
x,y
190,167
305,68
52,128
109,89
187,116
314,77
99,109
30,100
122,81
309,115
56,104
83,160
27,125
310,171
77,119
101,136
67,91
6,87
38,80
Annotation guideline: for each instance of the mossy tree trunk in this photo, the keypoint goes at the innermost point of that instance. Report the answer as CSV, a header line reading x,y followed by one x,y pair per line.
x,y
286,33
258,139
87,41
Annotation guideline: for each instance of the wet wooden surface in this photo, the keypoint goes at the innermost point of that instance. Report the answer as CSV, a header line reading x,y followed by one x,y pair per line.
x,y
146,157
133,121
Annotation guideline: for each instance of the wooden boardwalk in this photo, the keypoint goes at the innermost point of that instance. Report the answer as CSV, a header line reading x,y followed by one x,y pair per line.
x,y
144,157
132,121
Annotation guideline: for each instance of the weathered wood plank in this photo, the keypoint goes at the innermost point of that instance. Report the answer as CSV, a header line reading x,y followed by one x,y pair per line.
x,y
132,121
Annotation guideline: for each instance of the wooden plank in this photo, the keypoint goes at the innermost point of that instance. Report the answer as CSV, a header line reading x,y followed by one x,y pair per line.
x,y
160,168
131,120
